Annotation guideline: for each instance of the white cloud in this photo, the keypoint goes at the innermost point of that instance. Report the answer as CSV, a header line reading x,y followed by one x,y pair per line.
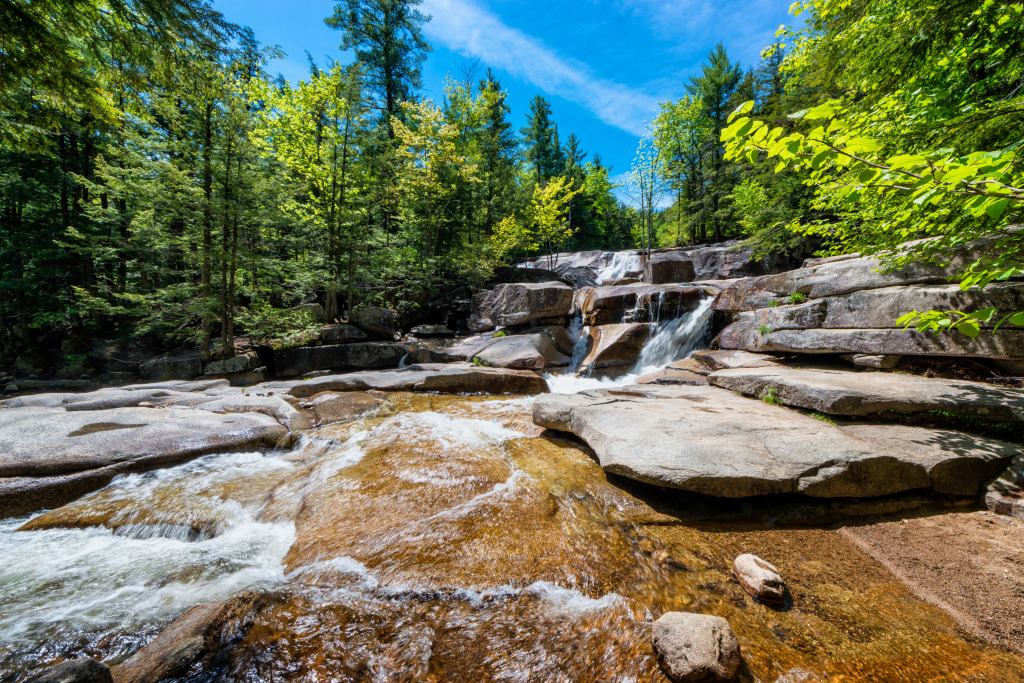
x,y
470,30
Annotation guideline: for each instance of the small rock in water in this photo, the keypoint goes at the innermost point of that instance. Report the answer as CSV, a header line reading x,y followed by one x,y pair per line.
x,y
74,671
696,648
759,578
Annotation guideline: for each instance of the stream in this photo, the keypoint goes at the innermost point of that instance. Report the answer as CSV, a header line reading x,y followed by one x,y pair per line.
x,y
444,538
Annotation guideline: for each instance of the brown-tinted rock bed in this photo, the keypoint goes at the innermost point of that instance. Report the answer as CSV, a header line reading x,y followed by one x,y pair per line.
x,y
444,539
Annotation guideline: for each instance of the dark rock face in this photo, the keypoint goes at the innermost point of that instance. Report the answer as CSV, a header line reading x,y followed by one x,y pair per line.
x,y
519,304
379,323
637,303
616,346
344,333
671,267
183,366
236,364
432,332
696,648
192,643
74,671
364,356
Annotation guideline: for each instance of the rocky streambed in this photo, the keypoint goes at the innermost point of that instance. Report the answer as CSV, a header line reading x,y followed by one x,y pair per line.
x,y
382,526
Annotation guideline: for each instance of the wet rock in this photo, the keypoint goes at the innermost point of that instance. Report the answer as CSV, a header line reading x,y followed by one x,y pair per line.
x,y
523,352
453,378
637,303
518,304
711,441
668,268
182,366
236,364
74,671
616,345
343,333
696,648
363,356
273,406
673,375
332,408
759,578
49,456
193,643
838,392
377,322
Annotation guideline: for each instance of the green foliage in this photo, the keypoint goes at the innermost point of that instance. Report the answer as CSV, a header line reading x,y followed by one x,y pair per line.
x,y
822,417
797,298
270,325
764,329
771,397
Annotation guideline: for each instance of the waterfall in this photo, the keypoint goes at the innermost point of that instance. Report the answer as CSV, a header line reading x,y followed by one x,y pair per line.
x,y
623,262
673,340
676,339
581,343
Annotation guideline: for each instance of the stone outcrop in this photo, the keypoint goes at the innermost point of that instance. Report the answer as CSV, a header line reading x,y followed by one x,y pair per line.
x,y
431,332
523,352
362,356
73,671
724,360
170,367
637,303
235,364
711,441
192,644
332,408
673,266
343,333
508,275
759,578
519,304
616,346
454,378
696,648
862,393
377,322
49,456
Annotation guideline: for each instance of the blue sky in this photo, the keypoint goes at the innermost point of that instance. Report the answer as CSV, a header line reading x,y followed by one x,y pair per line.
x,y
603,64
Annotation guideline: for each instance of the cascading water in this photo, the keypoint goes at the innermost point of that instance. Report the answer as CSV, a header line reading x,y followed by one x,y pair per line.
x,y
581,343
673,340
622,262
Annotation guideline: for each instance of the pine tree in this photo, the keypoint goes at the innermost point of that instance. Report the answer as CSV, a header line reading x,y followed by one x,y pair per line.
x,y
540,138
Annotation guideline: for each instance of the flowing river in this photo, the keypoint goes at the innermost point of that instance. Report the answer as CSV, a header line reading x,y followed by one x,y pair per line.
x,y
445,538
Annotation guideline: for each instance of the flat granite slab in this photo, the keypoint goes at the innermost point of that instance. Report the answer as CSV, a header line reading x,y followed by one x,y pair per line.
x,y
839,392
711,441
443,378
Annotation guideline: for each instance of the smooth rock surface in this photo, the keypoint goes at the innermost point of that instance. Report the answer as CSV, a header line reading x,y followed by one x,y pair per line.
x,y
1005,494
670,267
523,352
332,408
745,334
722,360
616,345
838,392
73,671
343,333
518,304
711,441
759,578
454,378
696,648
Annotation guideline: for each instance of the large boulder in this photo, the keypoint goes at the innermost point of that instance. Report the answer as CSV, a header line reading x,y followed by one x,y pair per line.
x,y
637,303
509,275
50,456
362,356
235,364
344,333
519,304
838,392
696,648
616,346
711,441
377,322
523,352
673,266
453,378
73,671
193,643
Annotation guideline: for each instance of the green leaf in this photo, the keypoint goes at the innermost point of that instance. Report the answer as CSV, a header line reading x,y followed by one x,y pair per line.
x,y
997,208
984,314
1017,319
822,111
969,328
742,109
